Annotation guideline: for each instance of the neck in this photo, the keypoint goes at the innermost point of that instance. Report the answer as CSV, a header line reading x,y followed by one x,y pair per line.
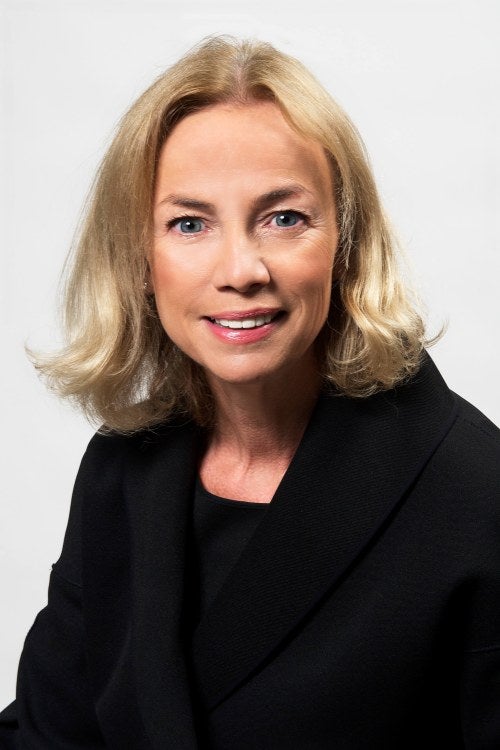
x,y
263,420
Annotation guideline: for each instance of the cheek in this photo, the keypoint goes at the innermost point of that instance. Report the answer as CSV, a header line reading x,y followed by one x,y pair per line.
x,y
169,292
314,286
319,299
173,277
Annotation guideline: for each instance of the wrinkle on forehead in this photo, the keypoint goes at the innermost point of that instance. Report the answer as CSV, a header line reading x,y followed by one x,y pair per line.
x,y
251,146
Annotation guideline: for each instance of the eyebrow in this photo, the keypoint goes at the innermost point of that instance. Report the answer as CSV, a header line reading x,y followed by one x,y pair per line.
x,y
258,204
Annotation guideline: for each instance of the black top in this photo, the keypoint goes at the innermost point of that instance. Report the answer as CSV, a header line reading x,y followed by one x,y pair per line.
x,y
221,529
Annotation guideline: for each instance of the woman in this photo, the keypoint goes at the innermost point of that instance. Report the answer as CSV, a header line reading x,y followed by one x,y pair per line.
x,y
285,534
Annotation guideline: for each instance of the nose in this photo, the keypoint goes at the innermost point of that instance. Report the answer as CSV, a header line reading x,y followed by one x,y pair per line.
x,y
240,264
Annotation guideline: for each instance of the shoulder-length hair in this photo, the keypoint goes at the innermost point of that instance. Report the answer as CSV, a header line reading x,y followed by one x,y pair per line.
x,y
118,363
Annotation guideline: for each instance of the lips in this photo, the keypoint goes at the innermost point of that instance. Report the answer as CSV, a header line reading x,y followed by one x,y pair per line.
x,y
245,319
250,322
244,326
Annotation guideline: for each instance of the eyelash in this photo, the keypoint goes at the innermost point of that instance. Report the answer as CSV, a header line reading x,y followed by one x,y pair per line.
x,y
301,216
191,217
183,217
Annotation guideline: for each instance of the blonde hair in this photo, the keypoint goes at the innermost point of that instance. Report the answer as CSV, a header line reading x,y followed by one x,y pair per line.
x,y
119,364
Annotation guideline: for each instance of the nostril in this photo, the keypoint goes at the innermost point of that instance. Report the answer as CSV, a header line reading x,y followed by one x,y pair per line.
x,y
242,270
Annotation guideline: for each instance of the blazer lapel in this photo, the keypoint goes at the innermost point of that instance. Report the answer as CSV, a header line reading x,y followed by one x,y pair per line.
x,y
158,495
356,461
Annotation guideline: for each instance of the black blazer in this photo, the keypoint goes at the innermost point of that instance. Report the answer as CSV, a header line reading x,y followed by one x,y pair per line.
x,y
363,614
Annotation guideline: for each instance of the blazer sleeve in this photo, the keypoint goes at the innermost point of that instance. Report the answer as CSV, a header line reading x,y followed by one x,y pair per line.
x,y
53,707
480,683
481,699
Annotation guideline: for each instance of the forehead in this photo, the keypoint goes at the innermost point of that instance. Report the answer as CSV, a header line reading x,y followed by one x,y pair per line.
x,y
252,144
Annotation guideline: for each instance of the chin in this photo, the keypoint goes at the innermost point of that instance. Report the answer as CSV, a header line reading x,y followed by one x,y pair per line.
x,y
246,375
240,378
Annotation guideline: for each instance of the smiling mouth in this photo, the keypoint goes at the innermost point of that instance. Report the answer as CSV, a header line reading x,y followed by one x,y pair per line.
x,y
251,322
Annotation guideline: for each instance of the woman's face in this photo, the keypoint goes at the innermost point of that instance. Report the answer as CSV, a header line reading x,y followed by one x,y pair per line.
x,y
244,241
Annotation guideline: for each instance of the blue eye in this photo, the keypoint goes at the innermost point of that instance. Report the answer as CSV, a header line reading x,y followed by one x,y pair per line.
x,y
286,219
189,225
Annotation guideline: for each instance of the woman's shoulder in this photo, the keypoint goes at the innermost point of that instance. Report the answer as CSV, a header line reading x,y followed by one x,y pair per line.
x,y
476,424
467,434
109,452
108,464
475,434
116,461
466,465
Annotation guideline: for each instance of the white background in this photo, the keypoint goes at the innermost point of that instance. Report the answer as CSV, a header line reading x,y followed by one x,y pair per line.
x,y
420,78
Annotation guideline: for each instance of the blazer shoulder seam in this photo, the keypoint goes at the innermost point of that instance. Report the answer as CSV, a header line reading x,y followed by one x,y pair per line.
x,y
56,572
479,427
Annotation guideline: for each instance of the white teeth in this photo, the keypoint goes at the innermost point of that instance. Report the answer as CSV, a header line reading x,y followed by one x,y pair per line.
x,y
260,320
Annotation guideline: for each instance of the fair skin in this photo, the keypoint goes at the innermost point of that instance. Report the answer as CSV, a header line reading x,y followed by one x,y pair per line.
x,y
241,266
